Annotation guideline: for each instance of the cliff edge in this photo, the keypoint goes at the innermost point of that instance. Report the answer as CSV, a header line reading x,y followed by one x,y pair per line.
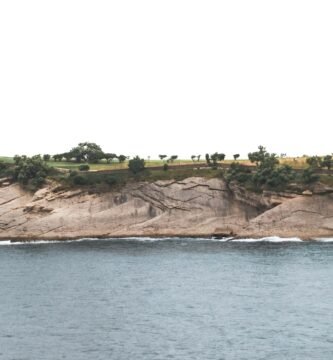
x,y
192,207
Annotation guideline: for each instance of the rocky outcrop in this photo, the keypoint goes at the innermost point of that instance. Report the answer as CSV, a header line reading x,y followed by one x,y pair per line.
x,y
192,207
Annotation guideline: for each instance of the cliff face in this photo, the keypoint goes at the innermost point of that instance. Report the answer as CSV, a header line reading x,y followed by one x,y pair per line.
x,y
194,207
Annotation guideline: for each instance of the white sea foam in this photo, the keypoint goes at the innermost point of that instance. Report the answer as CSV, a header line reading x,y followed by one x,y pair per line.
x,y
326,240
30,242
271,239
6,242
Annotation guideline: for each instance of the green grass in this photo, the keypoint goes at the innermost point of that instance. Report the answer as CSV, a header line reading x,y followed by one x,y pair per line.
x,y
327,180
7,159
112,166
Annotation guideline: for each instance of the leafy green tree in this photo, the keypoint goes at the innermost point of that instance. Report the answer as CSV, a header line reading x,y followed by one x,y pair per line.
x,y
30,171
220,157
136,165
92,152
162,156
19,158
327,162
57,157
173,158
215,158
198,157
268,173
193,157
109,157
314,162
207,159
78,153
263,159
68,156
236,156
238,172
122,158
87,151
46,157
280,177
308,176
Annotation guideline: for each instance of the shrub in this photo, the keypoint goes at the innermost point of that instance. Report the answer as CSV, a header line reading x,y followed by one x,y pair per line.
x,y
136,165
111,180
239,173
3,166
80,180
165,167
30,171
308,176
84,167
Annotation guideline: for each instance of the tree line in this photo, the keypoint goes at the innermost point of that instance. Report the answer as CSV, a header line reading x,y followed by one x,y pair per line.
x,y
86,152
33,171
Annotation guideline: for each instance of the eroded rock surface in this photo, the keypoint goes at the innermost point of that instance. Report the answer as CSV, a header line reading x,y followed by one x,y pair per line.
x,y
194,207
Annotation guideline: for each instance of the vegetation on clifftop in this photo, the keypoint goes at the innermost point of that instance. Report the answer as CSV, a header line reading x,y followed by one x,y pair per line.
x,y
262,170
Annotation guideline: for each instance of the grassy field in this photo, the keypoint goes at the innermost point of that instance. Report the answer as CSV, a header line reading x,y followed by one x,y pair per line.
x,y
6,159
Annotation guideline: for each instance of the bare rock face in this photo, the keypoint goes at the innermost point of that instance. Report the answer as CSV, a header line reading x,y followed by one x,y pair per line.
x,y
193,207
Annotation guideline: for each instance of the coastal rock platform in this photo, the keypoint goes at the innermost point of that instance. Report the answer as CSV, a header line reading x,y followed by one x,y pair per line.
x,y
191,207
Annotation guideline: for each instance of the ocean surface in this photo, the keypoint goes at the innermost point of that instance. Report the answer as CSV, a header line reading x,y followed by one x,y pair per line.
x,y
184,299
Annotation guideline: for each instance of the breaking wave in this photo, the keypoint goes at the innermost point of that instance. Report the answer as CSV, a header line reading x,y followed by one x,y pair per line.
x,y
270,239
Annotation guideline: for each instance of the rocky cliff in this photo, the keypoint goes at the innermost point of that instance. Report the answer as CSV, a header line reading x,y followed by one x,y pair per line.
x,y
193,207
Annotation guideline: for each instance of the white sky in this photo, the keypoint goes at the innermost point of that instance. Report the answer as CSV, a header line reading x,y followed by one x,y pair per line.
x,y
172,76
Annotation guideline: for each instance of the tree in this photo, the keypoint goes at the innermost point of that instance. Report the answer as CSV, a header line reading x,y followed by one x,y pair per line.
x,y
198,157
136,165
173,158
268,173
68,156
263,159
327,162
207,159
308,176
109,157
93,152
214,157
238,172
236,156
30,171
87,151
314,162
57,157
193,157
78,153
162,156
46,157
122,158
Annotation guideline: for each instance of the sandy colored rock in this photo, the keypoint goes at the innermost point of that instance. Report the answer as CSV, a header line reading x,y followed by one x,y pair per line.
x,y
193,207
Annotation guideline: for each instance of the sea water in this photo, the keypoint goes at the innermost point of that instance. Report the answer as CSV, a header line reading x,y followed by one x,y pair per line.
x,y
144,298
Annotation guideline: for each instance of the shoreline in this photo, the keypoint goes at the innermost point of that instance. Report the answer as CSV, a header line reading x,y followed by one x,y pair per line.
x,y
159,237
